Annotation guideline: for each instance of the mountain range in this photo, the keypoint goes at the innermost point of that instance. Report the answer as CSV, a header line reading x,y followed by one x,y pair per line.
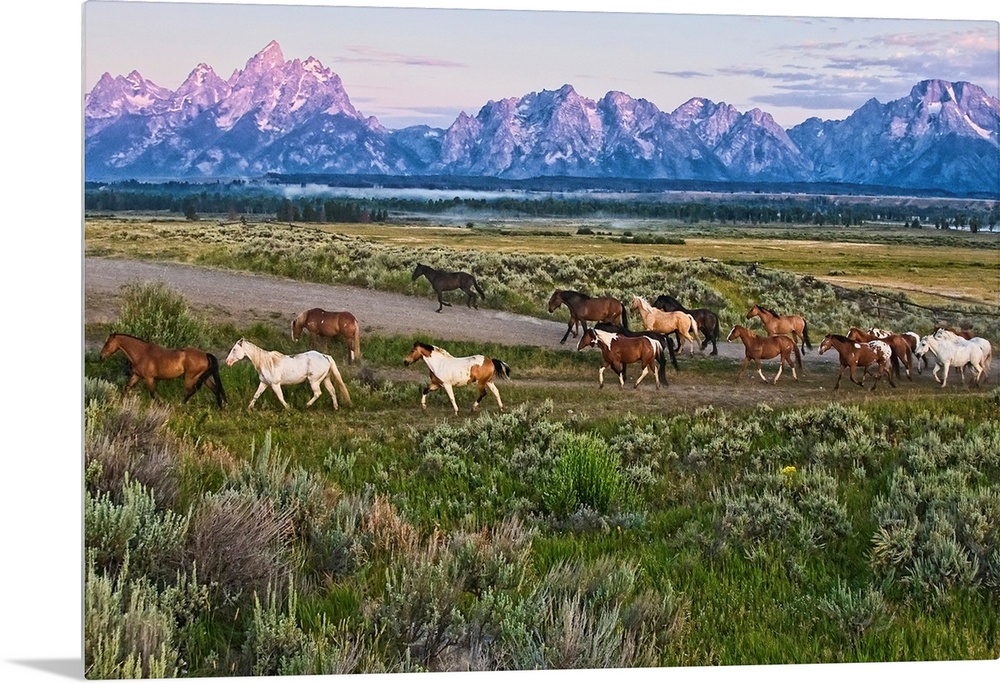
x,y
289,117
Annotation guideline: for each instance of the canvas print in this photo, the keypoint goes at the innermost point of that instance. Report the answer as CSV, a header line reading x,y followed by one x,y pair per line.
x,y
424,340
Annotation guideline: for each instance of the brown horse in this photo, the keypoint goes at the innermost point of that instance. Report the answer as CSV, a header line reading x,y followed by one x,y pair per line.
x,y
759,348
774,324
899,344
442,281
151,362
448,371
667,322
618,351
330,324
859,355
707,320
584,308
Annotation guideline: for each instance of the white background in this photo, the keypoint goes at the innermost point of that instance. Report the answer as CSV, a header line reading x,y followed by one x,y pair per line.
x,y
40,368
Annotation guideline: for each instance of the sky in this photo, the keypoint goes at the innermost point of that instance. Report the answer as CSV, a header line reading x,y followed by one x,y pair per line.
x,y
410,66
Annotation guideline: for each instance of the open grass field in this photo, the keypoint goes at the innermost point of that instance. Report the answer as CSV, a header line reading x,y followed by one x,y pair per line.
x,y
708,522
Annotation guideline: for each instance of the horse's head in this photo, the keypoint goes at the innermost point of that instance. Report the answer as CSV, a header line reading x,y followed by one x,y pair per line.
x,y
110,346
555,301
754,311
418,351
588,339
236,353
667,303
923,346
735,333
826,343
418,271
296,328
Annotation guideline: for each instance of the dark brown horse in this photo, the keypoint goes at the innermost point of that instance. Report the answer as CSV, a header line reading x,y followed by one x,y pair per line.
x,y
899,344
329,324
151,362
665,340
707,320
617,351
584,308
759,348
859,355
442,281
774,324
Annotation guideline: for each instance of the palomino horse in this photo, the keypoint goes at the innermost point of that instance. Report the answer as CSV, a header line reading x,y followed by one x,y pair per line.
x,y
760,348
442,281
774,324
859,355
952,350
708,321
151,362
274,369
584,308
330,324
667,322
617,351
449,371
899,345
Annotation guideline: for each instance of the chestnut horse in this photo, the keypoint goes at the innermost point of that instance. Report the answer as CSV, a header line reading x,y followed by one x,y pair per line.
x,y
584,308
667,322
151,362
791,324
707,320
329,324
442,281
759,348
859,355
448,371
899,344
618,351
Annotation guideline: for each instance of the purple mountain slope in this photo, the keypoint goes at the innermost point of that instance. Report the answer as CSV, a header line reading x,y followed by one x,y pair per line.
x,y
296,117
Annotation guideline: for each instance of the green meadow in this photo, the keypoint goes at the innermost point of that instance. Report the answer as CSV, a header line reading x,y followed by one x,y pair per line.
x,y
706,523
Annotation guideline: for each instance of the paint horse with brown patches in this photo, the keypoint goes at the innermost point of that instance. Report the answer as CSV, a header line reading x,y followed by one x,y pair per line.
x,y
898,344
775,324
448,371
859,355
329,324
617,351
758,348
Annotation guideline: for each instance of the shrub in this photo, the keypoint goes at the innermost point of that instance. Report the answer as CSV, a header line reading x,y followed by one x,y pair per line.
x,y
587,474
855,613
156,313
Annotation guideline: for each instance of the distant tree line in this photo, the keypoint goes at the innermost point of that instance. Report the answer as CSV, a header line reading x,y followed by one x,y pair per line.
x,y
237,199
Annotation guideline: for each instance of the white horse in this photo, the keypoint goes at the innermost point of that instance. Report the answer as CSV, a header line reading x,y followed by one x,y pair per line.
x,y
449,371
983,343
950,353
274,369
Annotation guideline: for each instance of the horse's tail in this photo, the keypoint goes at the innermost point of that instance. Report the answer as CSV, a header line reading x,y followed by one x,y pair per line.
x,y
212,372
475,284
501,369
715,327
334,373
356,344
894,358
661,360
805,333
624,315
668,343
694,326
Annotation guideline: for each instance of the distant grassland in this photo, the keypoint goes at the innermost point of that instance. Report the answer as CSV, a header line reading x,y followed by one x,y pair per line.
x,y
930,266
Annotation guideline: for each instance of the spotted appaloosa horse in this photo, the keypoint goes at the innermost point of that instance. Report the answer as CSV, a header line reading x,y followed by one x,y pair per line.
x,y
860,355
449,371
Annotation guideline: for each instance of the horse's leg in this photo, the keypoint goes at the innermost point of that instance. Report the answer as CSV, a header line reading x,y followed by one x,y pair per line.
x,y
839,376
471,298
150,383
315,386
431,386
760,371
568,329
131,382
645,371
329,389
260,390
743,369
276,388
451,395
482,393
496,393
947,367
441,302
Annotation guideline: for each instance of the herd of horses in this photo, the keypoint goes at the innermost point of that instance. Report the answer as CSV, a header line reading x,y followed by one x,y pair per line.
x,y
667,327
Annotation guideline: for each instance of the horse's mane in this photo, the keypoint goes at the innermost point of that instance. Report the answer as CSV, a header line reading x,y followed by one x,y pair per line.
x,y
841,338
131,337
770,311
